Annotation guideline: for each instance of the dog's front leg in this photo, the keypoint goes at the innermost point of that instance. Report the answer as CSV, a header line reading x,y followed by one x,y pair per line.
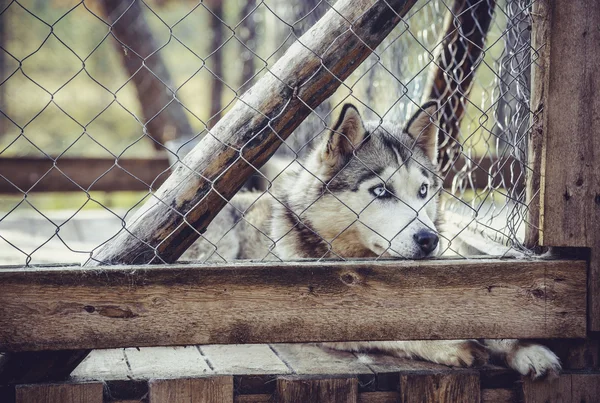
x,y
456,353
524,357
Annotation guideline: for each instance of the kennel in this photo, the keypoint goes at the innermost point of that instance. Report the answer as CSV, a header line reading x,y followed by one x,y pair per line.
x,y
96,306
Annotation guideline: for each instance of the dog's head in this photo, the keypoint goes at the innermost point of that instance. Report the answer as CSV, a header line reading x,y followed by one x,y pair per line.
x,y
381,186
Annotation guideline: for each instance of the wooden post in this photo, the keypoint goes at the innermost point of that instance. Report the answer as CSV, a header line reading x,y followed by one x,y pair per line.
x,y
244,139
464,33
569,211
137,47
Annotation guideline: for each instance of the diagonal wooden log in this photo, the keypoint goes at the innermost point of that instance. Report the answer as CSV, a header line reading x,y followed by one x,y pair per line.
x,y
244,139
461,50
310,71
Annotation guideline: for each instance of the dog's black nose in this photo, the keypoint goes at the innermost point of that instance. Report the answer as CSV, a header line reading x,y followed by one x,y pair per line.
x,y
426,240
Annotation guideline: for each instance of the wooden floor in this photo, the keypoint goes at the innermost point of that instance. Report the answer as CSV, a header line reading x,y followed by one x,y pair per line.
x,y
256,369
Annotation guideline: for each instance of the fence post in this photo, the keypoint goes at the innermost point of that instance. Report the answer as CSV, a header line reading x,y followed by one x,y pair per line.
x,y
566,131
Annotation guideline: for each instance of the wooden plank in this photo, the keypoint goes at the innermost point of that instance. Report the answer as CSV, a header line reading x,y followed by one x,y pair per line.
x,y
577,354
540,81
308,359
112,306
571,184
378,397
60,393
166,362
217,389
30,174
585,388
260,398
556,390
293,389
498,396
105,365
440,388
243,359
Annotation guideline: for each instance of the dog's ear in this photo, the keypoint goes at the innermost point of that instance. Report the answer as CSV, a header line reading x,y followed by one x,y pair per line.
x,y
422,127
347,134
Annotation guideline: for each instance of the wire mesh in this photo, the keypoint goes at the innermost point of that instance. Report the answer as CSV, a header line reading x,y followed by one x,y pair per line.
x,y
103,97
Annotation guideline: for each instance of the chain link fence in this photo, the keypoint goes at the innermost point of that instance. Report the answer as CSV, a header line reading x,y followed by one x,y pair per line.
x,y
100,100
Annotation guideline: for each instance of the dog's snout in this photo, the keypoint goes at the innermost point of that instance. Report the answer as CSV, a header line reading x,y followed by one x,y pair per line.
x,y
427,241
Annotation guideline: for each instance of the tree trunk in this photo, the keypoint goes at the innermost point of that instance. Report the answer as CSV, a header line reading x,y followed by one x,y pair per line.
x,y
460,53
148,72
248,37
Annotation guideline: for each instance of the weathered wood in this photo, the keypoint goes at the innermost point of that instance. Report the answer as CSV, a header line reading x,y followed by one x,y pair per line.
x,y
217,389
551,391
308,359
300,302
164,116
60,393
378,397
244,139
577,354
458,56
293,389
440,388
259,398
571,184
165,362
498,396
585,388
28,174
540,64
249,359
105,365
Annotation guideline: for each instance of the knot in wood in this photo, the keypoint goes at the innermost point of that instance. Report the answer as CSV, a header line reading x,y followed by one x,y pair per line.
x,y
349,278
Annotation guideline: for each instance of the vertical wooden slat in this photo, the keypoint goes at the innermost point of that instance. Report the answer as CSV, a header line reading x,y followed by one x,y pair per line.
x,y
571,184
540,64
585,388
217,389
440,388
60,393
498,396
333,390
549,391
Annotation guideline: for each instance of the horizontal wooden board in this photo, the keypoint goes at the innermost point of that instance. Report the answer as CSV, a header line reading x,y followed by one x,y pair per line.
x,y
67,174
71,174
109,307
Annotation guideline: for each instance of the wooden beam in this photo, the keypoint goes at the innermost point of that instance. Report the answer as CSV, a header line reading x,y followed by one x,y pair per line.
x,y
107,307
33,174
570,186
292,389
216,389
60,393
244,139
440,388
67,174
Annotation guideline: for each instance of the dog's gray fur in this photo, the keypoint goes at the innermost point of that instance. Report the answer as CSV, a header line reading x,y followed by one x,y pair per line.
x,y
325,207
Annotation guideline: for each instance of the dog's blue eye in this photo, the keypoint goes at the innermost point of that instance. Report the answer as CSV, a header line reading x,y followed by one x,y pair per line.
x,y
380,191
423,191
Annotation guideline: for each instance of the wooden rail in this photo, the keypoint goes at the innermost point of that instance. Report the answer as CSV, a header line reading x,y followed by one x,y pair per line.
x,y
71,174
106,307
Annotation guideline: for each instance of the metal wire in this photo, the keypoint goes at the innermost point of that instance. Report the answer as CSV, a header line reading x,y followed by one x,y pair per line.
x,y
132,79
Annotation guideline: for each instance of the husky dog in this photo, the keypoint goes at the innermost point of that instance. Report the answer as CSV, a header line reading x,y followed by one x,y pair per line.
x,y
369,189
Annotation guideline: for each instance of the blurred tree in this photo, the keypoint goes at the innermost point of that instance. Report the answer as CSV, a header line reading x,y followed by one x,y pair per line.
x,y
148,72
217,27
248,37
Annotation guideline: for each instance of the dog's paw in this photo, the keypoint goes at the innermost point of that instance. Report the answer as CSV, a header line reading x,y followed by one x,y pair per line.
x,y
534,360
467,353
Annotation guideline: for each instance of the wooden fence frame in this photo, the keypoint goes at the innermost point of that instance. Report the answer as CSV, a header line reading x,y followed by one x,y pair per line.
x,y
564,195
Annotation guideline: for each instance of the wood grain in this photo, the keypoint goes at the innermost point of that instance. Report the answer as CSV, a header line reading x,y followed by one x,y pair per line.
x,y
217,389
571,184
60,393
111,307
378,397
440,388
293,389
498,396
244,139
540,65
